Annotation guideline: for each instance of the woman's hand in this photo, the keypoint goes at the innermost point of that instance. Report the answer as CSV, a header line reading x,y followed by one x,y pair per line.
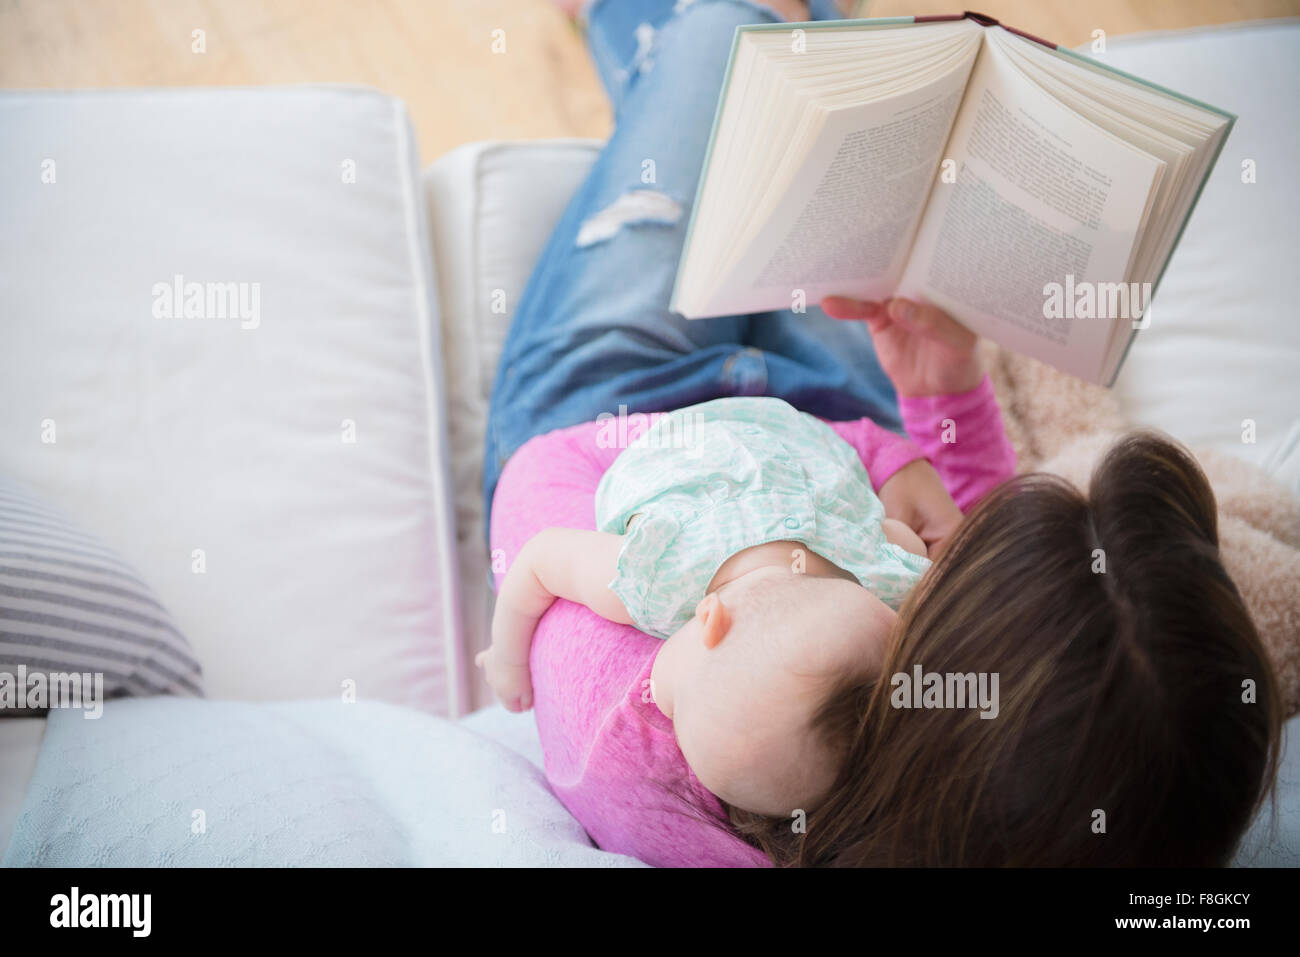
x,y
915,496
922,349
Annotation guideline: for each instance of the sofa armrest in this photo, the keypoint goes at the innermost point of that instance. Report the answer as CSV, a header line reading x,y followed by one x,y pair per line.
x,y
492,207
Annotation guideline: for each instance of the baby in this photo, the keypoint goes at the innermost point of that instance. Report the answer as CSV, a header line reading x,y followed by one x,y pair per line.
x,y
746,534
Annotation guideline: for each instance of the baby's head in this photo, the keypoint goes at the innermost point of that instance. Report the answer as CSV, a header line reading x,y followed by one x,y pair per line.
x,y
1138,720
745,679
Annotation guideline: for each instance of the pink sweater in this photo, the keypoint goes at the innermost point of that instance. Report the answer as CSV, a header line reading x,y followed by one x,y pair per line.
x,y
610,753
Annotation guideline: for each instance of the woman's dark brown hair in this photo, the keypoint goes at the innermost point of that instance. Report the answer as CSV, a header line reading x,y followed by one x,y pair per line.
x,y
1139,717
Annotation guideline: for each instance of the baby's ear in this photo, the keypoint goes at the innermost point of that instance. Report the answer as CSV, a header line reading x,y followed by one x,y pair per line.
x,y
715,618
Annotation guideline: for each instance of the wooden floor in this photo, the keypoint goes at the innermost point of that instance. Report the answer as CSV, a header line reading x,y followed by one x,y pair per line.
x,y
438,55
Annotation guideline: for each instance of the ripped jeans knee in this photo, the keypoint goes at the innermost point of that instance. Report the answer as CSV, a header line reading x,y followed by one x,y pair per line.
x,y
635,207
691,38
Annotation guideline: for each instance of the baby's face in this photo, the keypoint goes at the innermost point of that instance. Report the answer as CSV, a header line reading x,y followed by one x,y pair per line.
x,y
741,707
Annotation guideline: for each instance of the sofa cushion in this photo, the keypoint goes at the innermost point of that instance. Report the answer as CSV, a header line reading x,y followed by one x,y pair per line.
x,y
1217,366
220,358
179,783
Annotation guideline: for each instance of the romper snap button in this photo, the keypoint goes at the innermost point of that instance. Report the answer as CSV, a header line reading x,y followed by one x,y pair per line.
x,y
792,523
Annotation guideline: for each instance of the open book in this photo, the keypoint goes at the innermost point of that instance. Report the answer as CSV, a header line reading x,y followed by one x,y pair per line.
x,y
1034,194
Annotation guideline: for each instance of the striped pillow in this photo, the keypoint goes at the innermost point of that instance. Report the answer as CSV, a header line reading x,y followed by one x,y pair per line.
x,y
68,605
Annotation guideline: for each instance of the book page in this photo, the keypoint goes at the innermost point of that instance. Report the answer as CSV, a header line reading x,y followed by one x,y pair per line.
x,y
1043,200
848,221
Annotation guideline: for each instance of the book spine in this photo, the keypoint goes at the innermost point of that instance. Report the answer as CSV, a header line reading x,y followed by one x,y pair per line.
x,y
983,20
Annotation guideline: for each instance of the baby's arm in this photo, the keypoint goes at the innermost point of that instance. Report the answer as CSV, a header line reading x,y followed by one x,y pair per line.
x,y
574,564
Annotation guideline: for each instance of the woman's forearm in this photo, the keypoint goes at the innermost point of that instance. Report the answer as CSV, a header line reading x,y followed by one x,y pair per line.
x,y
964,436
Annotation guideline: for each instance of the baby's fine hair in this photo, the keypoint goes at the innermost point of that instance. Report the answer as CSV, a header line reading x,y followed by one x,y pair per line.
x,y
1139,715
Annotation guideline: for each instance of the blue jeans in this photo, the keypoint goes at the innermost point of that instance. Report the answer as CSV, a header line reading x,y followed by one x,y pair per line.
x,y
592,331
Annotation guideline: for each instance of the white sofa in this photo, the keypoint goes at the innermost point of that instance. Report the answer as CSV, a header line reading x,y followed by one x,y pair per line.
x,y
304,457
327,461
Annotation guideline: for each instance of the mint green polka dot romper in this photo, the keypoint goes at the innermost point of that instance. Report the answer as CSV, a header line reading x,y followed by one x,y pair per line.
x,y
710,480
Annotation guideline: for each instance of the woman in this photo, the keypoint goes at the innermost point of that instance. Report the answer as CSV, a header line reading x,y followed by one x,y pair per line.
x,y
1164,651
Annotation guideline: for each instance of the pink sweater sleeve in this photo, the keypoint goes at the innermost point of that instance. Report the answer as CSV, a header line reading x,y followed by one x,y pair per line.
x,y
882,452
963,436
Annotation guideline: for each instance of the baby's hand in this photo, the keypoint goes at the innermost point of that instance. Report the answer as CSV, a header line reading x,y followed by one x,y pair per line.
x,y
901,535
509,679
915,496
570,563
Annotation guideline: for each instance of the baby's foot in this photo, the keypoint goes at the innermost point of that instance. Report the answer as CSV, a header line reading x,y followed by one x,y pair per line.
x,y
569,8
